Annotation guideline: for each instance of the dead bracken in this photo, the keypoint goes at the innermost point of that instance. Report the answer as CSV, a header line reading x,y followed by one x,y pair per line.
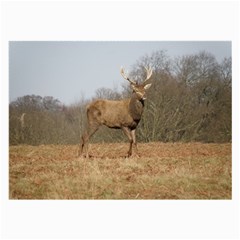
x,y
163,171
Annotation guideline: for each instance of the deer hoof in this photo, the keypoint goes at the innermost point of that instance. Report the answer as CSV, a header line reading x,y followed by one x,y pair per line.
x,y
134,155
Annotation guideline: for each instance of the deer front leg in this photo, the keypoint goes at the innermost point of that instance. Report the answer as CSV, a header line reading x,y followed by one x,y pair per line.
x,y
133,132
128,133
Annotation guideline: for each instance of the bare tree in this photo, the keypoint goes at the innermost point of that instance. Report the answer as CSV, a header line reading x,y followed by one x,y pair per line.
x,y
124,114
190,100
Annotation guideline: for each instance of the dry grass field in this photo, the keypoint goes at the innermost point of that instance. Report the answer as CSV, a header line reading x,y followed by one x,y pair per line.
x,y
163,171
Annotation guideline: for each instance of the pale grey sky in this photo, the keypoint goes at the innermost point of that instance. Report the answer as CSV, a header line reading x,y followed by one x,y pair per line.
x,y
66,70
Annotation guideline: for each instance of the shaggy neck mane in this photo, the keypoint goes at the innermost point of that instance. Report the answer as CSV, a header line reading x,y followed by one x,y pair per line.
x,y
136,107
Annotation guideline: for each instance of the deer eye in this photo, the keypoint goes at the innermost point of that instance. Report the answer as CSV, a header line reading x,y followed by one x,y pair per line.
x,y
140,95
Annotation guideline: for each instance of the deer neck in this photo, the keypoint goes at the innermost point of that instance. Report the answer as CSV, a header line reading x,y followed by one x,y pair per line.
x,y
136,107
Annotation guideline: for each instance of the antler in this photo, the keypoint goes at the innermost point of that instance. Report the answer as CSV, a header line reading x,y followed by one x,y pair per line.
x,y
149,73
124,76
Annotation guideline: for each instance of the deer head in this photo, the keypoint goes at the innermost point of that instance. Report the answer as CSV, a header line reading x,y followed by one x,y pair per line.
x,y
139,88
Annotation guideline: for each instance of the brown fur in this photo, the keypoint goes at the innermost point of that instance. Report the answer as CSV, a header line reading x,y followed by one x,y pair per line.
x,y
124,114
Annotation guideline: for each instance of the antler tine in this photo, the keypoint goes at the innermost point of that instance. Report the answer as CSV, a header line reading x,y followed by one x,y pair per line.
x,y
149,73
125,77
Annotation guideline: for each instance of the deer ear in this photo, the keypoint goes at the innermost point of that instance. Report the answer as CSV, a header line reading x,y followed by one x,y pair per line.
x,y
147,86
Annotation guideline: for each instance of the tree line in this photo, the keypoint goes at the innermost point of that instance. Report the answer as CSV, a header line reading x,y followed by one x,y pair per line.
x,y
190,100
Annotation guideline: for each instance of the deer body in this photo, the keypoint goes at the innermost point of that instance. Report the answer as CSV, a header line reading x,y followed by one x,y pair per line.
x,y
115,114
124,114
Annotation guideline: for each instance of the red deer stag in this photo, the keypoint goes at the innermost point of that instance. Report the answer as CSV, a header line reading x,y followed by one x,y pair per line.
x,y
124,114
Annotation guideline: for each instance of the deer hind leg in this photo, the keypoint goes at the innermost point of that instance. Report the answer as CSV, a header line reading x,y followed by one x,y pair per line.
x,y
82,143
85,140
128,133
